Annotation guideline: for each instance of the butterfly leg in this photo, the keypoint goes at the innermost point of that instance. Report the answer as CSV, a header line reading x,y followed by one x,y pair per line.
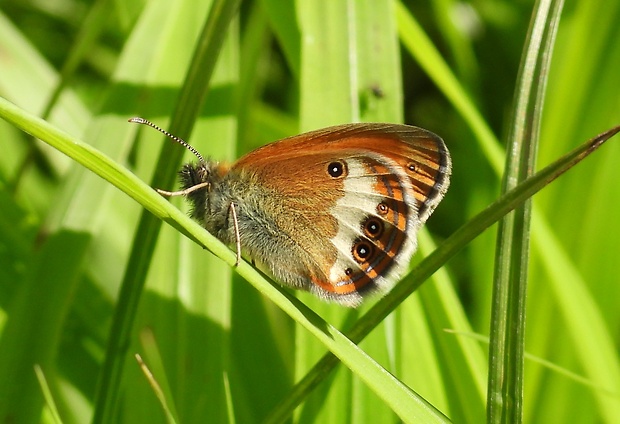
x,y
233,211
182,192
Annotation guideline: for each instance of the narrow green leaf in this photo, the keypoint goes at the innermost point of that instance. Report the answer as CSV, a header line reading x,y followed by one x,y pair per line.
x,y
189,104
505,392
327,64
154,373
47,394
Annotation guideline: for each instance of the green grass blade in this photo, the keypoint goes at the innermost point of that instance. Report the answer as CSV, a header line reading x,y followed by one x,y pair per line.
x,y
378,82
47,394
326,65
188,107
155,375
505,391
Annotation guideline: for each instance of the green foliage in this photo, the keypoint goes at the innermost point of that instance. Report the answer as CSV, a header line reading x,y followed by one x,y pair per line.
x,y
88,278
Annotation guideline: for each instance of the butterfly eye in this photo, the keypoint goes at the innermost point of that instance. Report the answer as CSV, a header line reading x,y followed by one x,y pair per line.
x,y
373,228
362,250
336,169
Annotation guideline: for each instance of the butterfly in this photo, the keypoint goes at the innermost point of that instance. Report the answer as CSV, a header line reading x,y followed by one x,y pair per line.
x,y
334,211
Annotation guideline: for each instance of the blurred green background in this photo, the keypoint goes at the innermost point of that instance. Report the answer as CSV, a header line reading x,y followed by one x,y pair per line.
x,y
222,352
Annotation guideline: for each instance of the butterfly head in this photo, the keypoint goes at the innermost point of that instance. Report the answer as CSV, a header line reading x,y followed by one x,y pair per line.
x,y
204,185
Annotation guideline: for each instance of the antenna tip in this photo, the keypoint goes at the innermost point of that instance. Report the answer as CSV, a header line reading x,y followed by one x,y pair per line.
x,y
137,120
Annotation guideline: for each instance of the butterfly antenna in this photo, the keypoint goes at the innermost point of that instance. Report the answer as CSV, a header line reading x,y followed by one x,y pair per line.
x,y
182,142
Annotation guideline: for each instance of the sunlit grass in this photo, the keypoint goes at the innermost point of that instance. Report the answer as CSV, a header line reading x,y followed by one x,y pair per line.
x,y
220,350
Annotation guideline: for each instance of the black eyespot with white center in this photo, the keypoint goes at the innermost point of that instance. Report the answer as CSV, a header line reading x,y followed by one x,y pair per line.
x,y
373,228
412,167
383,208
337,169
362,250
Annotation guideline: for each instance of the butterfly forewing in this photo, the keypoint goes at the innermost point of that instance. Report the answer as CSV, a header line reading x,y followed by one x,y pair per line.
x,y
421,153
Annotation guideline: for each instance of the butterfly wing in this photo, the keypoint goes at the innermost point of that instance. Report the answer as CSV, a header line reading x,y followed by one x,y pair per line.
x,y
340,207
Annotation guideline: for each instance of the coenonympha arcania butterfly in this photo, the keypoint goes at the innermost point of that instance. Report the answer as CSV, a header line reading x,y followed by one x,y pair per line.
x,y
333,211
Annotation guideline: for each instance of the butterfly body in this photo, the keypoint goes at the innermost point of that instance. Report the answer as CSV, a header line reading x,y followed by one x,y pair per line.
x,y
333,211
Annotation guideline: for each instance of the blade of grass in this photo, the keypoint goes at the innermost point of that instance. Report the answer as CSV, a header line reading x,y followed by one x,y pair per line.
x,y
326,64
190,101
455,22
47,394
159,384
505,391
379,81
252,49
